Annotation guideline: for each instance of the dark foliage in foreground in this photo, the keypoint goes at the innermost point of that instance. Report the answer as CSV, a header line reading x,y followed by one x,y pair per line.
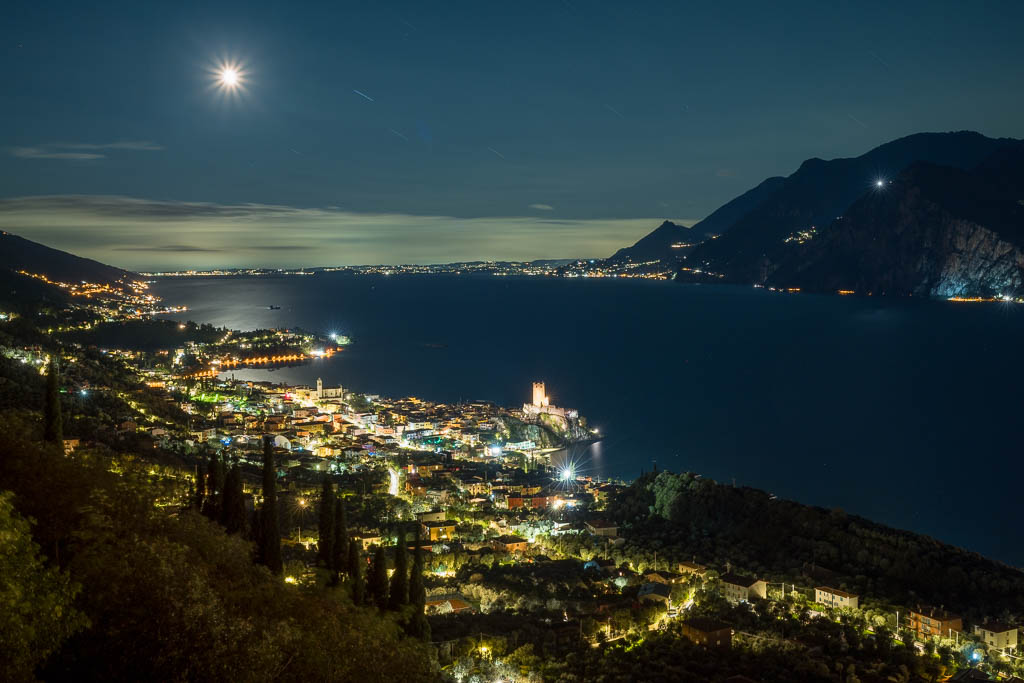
x,y
681,516
163,593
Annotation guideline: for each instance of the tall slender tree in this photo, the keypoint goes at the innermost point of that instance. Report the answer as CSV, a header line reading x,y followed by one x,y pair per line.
x,y
53,422
339,557
418,627
215,478
233,514
270,538
325,527
398,595
377,585
199,490
355,572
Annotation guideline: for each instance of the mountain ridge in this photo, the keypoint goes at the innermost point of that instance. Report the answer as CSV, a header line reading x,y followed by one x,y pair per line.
x,y
21,254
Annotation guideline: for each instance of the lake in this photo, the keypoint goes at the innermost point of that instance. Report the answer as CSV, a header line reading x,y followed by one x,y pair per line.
x,y
905,411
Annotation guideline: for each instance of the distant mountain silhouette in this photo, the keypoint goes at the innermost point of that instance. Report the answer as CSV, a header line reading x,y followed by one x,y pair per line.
x,y
18,253
658,243
948,203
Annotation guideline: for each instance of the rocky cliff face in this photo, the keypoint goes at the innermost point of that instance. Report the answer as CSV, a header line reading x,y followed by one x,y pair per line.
x,y
939,214
920,250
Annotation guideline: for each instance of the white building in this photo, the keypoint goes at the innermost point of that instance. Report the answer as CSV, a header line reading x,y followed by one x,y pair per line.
x,y
997,635
322,393
738,588
833,597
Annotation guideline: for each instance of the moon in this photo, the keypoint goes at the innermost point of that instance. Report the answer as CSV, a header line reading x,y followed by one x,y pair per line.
x,y
229,77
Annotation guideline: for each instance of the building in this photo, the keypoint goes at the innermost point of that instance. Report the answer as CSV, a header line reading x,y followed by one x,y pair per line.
x,y
511,544
707,632
998,635
367,540
541,404
928,622
432,516
737,588
322,393
655,592
448,605
663,577
692,568
602,527
540,397
439,530
833,597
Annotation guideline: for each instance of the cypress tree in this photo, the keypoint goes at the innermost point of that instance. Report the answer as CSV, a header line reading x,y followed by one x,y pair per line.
x,y
398,595
325,529
215,478
53,423
233,513
199,490
339,557
270,539
419,627
355,571
377,586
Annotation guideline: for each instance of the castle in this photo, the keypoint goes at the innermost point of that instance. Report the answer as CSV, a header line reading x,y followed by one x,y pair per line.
x,y
542,405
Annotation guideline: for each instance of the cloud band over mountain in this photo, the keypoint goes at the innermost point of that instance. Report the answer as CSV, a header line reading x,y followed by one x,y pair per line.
x,y
147,234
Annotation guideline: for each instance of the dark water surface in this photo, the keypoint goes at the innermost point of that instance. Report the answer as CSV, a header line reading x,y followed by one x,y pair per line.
x,y
907,412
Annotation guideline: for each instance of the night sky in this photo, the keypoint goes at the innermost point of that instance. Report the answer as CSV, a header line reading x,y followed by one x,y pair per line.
x,y
428,132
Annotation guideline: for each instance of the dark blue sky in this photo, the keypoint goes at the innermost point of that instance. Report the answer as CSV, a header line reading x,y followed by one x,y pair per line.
x,y
594,119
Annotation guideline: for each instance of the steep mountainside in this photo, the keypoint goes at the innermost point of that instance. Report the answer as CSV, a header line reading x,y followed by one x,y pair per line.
x,y
819,191
18,253
935,230
658,244
723,218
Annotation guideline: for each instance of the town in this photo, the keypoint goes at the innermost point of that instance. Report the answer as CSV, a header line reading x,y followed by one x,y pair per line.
x,y
526,567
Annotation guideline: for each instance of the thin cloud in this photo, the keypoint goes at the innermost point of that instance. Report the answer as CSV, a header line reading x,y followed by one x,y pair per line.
x,y
542,207
42,153
82,151
176,248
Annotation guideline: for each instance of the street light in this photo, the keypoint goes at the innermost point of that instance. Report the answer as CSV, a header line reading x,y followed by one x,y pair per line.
x,y
302,509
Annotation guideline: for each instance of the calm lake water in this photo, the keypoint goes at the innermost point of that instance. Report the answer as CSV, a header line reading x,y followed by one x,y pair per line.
x,y
907,412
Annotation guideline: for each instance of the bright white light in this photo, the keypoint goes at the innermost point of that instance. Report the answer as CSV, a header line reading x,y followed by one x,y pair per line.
x,y
879,183
229,77
567,474
393,484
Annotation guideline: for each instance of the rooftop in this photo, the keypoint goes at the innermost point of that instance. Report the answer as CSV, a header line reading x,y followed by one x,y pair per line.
x,y
738,580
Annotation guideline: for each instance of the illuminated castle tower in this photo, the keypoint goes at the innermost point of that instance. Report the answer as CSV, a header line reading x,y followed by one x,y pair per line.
x,y
319,388
540,398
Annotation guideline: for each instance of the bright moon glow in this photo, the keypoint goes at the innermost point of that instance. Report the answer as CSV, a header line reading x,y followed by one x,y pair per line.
x,y
229,77
879,183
